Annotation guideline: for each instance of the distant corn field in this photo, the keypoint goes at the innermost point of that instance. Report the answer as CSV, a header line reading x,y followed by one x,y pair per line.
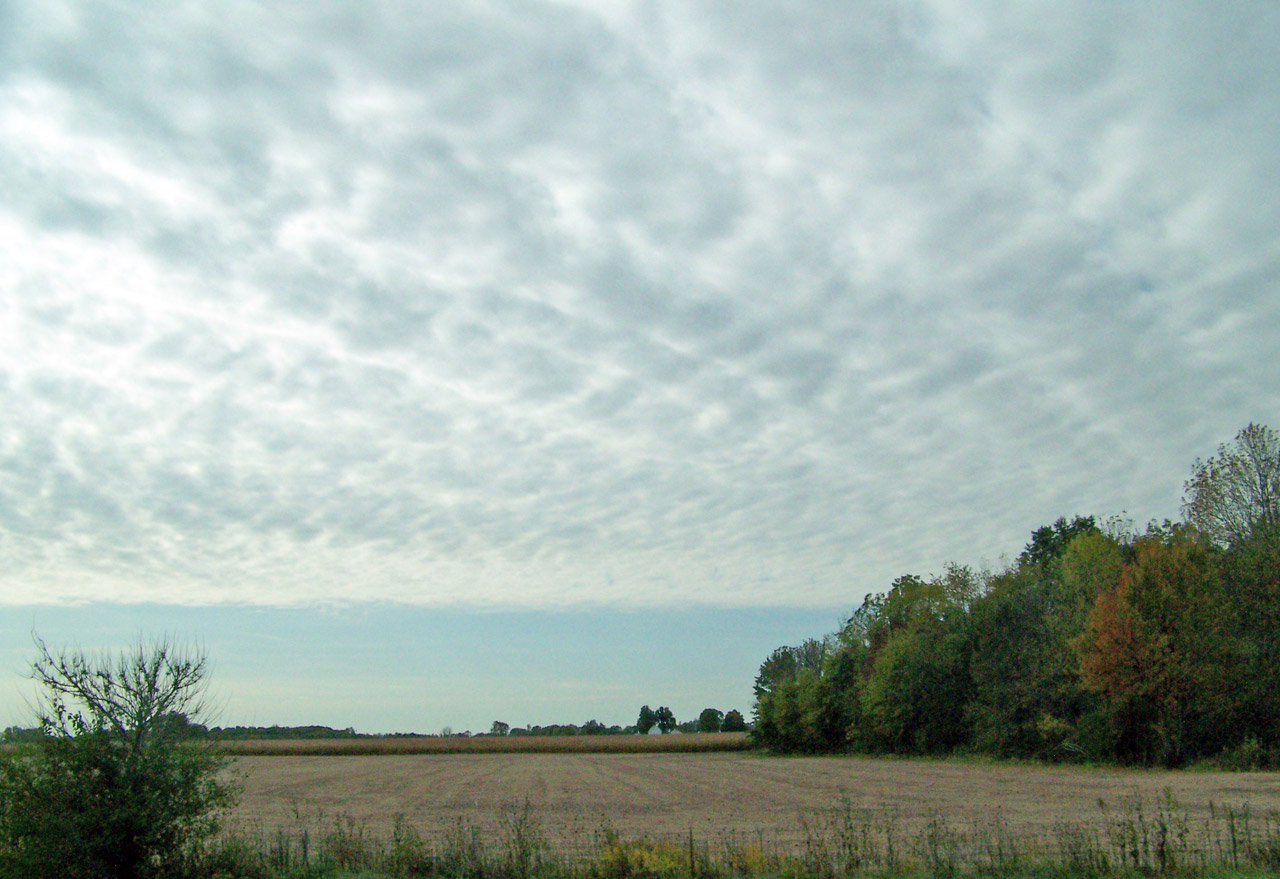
x,y
404,745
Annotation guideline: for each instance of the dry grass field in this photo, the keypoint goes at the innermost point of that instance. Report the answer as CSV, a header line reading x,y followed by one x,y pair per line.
x,y
714,796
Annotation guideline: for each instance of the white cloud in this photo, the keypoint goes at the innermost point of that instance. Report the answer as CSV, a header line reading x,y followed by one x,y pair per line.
x,y
532,304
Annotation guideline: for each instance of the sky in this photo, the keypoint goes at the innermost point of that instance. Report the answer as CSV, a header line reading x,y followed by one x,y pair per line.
x,y
437,363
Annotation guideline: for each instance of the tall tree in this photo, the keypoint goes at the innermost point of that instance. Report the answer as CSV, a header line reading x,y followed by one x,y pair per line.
x,y
788,689
1161,648
1251,574
710,720
733,721
666,719
1025,690
914,701
646,720
1237,491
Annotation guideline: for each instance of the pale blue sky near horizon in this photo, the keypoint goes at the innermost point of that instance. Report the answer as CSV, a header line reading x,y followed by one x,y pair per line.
x,y
507,335
383,668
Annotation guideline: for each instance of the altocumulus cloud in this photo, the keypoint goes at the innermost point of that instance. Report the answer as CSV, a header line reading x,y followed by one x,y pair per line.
x,y
546,304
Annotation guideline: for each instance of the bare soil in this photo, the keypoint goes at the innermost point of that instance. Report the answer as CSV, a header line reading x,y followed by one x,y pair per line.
x,y
742,796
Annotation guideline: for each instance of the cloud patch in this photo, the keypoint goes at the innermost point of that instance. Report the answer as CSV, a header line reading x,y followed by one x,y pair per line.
x,y
530,304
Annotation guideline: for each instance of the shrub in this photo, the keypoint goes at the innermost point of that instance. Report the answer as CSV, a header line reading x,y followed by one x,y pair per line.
x,y
112,788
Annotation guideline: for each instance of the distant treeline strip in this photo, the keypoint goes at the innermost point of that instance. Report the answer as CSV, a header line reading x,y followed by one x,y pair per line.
x,y
1097,643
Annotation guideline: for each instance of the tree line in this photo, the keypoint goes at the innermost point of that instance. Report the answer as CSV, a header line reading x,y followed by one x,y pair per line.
x,y
1098,642
708,720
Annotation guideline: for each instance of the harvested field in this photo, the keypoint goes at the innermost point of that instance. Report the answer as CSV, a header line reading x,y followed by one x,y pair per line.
x,y
715,796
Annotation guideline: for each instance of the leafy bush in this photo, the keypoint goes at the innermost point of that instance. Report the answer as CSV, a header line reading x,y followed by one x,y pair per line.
x,y
112,788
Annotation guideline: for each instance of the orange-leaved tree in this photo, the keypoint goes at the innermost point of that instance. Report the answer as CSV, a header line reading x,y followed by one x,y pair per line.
x,y
1158,646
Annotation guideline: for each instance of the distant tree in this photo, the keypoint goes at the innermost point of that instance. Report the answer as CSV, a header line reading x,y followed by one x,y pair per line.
x,y
499,728
666,720
710,720
646,721
1236,492
17,735
593,727
179,726
733,721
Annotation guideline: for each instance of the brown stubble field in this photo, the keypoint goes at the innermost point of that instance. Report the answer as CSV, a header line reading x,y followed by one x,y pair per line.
x,y
714,796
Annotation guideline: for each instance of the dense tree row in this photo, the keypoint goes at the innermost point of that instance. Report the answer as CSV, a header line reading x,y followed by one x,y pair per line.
x,y
709,720
1160,647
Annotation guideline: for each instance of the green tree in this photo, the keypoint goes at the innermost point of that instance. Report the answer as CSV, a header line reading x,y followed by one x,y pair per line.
x,y
733,721
787,690
1091,565
1237,491
917,670
845,670
665,718
912,602
112,789
499,728
1251,579
914,701
1028,698
1050,542
1027,695
646,720
710,720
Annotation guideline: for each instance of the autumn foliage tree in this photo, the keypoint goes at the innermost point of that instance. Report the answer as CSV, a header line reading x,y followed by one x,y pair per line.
x,y
1159,646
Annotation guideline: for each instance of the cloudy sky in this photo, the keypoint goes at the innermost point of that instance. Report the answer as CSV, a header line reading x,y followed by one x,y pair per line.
x,y
596,317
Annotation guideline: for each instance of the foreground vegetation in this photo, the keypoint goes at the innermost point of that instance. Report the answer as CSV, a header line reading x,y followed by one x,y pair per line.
x,y
1134,838
110,790
1097,643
